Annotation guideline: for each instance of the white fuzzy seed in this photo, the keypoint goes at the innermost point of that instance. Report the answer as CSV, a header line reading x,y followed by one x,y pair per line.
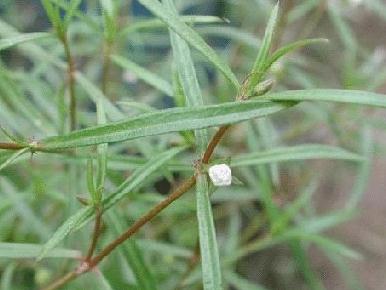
x,y
220,175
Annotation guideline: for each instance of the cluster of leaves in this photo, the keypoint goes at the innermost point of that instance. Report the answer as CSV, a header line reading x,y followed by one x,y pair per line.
x,y
126,152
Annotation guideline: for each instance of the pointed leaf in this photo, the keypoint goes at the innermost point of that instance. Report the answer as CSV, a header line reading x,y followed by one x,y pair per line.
x,y
290,48
165,121
22,251
210,263
21,38
262,57
190,36
328,95
299,152
144,74
133,181
13,157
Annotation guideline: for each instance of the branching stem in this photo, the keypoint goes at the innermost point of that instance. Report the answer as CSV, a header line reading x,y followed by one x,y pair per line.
x,y
87,265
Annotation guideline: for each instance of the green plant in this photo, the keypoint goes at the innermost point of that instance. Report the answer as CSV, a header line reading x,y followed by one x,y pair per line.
x,y
52,100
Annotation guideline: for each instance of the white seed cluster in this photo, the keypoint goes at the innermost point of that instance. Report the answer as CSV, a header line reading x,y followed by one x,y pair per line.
x,y
220,174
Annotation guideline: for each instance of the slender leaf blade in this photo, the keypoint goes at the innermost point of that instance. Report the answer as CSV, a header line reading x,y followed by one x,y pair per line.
x,y
262,56
144,74
299,152
290,48
165,121
331,95
132,182
25,250
134,256
6,43
190,36
211,272
13,157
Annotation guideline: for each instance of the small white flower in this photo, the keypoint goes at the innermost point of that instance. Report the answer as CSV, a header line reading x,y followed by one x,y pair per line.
x,y
220,174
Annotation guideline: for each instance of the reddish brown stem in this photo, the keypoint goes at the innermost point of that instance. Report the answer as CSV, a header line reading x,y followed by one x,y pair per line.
x,y
96,233
184,187
11,146
213,143
61,281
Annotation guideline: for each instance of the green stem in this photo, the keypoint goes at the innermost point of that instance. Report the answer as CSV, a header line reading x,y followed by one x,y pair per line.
x,y
70,80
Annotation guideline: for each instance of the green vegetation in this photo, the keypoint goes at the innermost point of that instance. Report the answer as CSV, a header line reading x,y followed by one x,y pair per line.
x,y
106,142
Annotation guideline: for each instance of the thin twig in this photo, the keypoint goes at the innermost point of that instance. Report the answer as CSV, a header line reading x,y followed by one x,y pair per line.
x,y
183,188
213,143
96,233
61,281
11,146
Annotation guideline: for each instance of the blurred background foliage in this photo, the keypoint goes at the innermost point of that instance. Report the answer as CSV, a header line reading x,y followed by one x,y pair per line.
x,y
330,234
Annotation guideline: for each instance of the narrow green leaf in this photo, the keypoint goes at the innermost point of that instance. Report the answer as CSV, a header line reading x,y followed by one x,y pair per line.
x,y
134,256
190,36
139,175
240,283
156,23
142,107
87,19
351,278
262,57
22,251
21,38
7,275
188,77
90,179
102,152
104,283
13,158
331,95
108,11
63,231
108,7
331,246
164,248
136,179
144,74
211,272
232,33
293,209
303,263
72,9
322,223
165,121
290,48
299,152
96,94
364,171
23,209
53,14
